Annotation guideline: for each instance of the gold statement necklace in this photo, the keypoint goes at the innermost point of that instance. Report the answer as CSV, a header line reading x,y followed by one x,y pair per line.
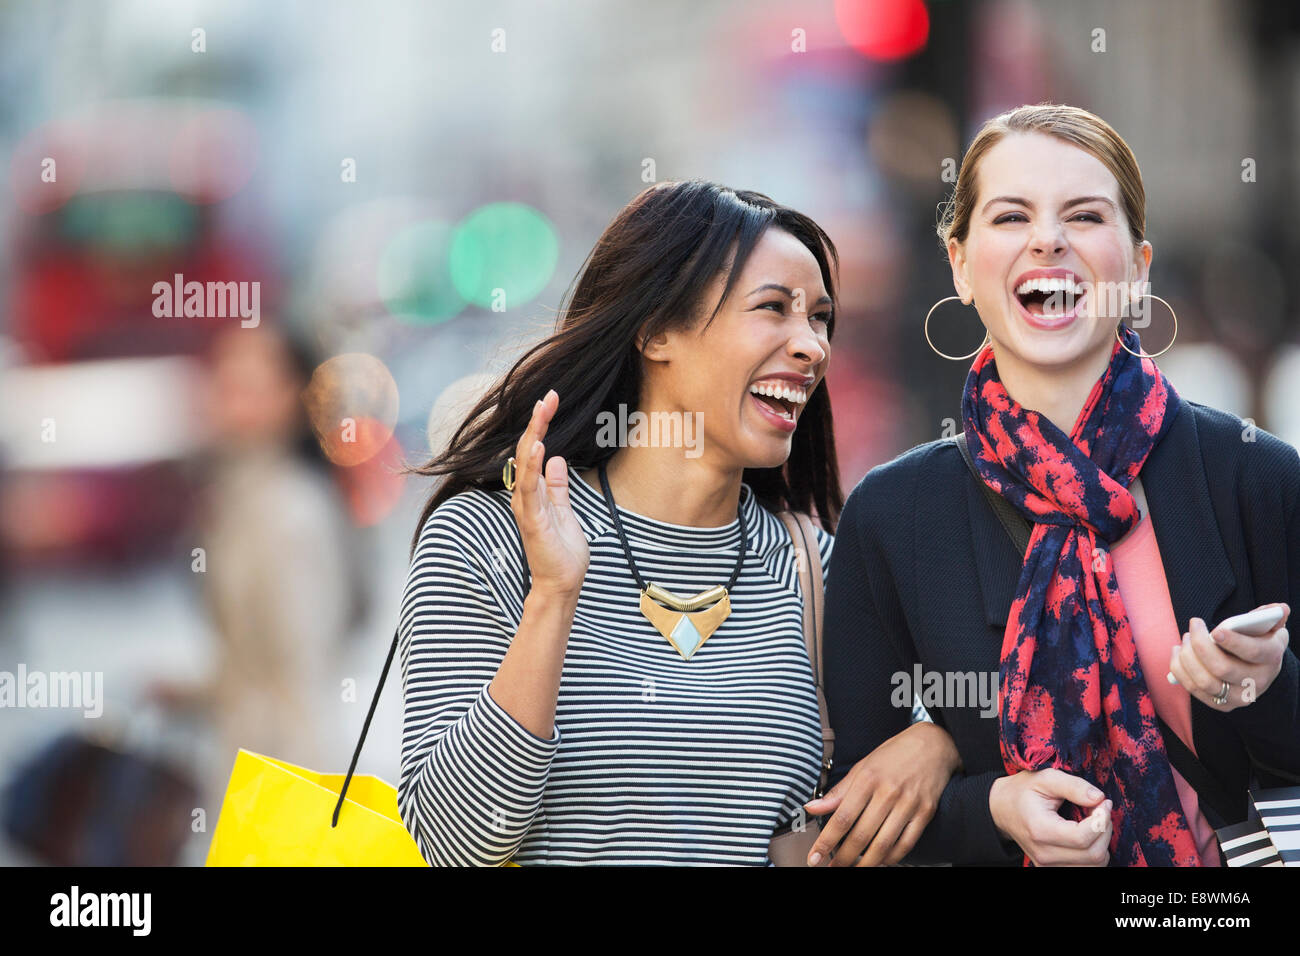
x,y
680,619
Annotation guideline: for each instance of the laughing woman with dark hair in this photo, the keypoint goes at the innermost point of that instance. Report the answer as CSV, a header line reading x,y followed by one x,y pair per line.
x,y
555,712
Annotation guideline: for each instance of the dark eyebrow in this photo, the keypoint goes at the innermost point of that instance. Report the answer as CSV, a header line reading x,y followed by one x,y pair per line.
x,y
1078,201
824,300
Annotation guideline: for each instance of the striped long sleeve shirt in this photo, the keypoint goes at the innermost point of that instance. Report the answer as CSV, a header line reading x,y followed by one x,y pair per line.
x,y
653,759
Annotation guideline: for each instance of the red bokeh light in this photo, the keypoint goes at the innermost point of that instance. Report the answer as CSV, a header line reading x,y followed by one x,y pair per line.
x,y
884,29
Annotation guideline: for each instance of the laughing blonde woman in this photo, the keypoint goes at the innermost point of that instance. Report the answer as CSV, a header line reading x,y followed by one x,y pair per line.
x,y
1083,545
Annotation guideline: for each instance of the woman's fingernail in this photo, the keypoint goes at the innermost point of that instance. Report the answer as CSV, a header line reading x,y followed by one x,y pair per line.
x,y
537,447
1171,678
1094,793
814,859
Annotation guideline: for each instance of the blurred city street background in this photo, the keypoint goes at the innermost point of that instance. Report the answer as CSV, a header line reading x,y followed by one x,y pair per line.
x,y
178,510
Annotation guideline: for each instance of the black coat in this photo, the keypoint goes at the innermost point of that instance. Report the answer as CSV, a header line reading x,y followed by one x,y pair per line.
x,y
924,573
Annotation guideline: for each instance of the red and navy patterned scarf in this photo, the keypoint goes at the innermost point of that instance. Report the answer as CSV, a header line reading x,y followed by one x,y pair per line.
x,y
1072,693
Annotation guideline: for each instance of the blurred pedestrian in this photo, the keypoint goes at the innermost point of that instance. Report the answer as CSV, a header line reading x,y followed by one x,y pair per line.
x,y
276,574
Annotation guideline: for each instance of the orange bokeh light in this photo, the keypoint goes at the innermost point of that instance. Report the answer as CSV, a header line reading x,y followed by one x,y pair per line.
x,y
352,404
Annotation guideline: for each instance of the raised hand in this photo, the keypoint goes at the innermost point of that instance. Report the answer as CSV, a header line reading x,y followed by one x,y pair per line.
x,y
553,540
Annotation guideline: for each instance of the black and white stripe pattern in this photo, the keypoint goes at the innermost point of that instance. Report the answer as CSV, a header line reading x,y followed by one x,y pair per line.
x,y
1247,844
655,760
1279,809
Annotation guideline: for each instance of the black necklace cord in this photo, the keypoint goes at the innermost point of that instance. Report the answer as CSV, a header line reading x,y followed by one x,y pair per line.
x,y
618,526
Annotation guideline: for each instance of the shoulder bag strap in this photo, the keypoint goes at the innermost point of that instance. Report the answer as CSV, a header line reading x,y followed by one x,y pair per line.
x,y
1016,524
812,584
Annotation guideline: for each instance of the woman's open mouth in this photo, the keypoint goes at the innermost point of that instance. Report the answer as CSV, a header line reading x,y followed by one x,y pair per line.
x,y
1050,301
778,402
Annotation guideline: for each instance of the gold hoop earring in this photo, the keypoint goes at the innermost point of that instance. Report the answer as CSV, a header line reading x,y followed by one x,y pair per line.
x,y
926,327
508,474
1148,295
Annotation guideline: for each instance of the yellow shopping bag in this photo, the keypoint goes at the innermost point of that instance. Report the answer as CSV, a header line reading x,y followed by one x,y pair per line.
x,y
278,814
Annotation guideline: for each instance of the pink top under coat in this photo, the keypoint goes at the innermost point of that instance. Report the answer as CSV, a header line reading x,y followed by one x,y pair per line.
x,y
1145,590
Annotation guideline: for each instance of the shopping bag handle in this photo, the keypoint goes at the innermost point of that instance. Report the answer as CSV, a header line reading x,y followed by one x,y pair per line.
x,y
526,577
365,728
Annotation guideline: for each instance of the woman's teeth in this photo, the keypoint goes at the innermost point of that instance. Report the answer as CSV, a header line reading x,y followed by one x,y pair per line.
x,y
786,393
1044,296
784,398
1049,286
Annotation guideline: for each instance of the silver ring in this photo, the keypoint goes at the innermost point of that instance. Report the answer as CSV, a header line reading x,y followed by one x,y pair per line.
x,y
1223,695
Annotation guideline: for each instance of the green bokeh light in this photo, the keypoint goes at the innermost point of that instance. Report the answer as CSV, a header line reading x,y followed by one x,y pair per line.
x,y
505,245
414,280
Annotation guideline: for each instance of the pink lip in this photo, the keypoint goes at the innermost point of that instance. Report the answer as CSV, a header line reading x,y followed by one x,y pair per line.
x,y
1056,322
776,420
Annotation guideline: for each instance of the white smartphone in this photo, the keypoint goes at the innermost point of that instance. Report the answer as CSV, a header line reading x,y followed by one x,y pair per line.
x,y
1256,623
